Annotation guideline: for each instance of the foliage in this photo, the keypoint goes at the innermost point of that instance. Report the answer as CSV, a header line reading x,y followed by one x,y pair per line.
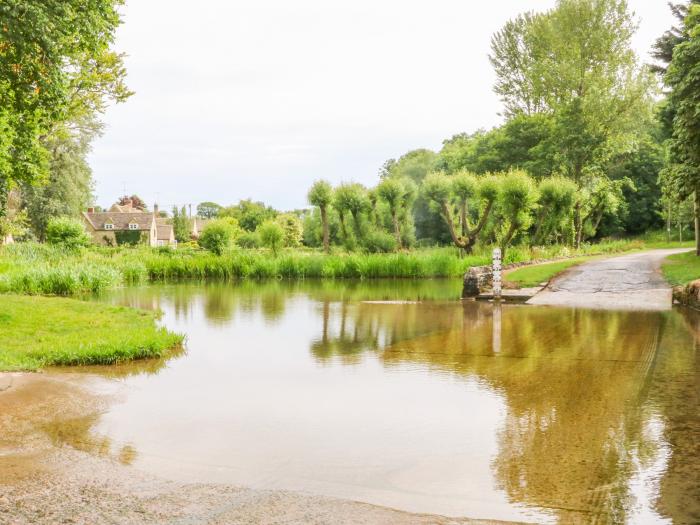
x,y
70,332
292,228
208,210
517,198
351,199
217,236
248,240
683,78
272,235
249,214
399,195
379,241
135,201
52,79
556,199
129,237
321,195
68,232
182,225
575,64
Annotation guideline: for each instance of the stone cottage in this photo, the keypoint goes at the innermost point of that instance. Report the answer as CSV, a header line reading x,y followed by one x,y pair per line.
x,y
123,221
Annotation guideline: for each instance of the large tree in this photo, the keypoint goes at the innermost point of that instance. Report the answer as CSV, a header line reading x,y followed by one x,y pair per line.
x,y
575,63
56,70
683,77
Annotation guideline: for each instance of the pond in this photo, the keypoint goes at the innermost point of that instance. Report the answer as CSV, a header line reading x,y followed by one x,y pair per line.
x,y
399,394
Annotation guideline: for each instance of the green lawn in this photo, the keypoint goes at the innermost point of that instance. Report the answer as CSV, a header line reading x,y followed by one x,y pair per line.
x,y
681,268
529,276
43,331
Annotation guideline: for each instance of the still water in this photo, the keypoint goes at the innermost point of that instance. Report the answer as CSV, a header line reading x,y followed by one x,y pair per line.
x,y
399,394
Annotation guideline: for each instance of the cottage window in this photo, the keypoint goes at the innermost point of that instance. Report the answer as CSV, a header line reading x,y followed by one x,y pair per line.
x,y
133,226
109,226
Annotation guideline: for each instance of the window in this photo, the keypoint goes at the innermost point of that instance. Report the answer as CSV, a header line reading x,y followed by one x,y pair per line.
x,y
133,226
109,226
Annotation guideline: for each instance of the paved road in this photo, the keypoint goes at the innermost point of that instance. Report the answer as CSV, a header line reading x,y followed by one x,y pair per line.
x,y
629,282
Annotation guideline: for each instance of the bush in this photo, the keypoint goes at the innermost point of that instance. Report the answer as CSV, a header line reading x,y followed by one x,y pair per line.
x,y
248,240
217,236
378,241
67,232
271,235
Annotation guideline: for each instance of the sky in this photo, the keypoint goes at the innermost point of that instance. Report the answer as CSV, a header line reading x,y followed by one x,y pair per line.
x,y
259,98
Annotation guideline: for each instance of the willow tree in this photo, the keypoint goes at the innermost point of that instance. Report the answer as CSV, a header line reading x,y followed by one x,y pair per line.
x,y
399,195
450,193
575,63
321,195
556,199
351,198
517,199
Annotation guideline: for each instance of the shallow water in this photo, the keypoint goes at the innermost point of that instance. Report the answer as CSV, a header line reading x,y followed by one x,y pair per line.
x,y
397,393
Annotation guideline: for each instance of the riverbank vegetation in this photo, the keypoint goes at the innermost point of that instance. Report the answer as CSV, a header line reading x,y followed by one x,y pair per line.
x,y
71,332
681,268
538,274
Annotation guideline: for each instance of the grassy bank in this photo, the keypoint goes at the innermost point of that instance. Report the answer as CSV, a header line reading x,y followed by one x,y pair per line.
x,y
41,331
530,276
44,270
681,268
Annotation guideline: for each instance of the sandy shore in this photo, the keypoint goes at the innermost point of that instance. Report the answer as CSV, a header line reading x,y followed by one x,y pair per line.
x,y
61,473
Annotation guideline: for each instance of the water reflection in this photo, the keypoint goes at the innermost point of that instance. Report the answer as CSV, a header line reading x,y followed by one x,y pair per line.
x,y
564,415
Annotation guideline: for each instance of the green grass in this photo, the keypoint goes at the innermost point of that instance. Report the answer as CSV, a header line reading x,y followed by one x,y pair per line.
x,y
681,268
41,331
530,276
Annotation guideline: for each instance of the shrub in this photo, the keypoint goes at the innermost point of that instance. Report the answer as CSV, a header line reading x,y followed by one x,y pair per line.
x,y
67,232
248,240
271,235
379,241
293,229
217,236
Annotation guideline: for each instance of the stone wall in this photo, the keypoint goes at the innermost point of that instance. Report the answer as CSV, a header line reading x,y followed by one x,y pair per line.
x,y
688,295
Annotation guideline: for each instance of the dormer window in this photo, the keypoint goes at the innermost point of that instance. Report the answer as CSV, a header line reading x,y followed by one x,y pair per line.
x,y
109,226
133,226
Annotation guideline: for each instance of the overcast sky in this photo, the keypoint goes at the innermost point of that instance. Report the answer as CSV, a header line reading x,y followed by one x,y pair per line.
x,y
259,98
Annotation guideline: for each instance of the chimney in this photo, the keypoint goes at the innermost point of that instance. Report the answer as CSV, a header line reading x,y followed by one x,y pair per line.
x,y
91,210
155,209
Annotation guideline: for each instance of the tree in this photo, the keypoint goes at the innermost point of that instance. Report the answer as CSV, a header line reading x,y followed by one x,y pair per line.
x,y
271,235
575,64
440,188
208,210
392,192
556,199
351,198
52,78
217,236
68,189
292,228
321,195
135,201
181,225
249,214
67,232
683,79
517,199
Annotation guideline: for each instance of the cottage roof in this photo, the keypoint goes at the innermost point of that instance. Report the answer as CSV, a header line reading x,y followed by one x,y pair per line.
x,y
165,231
121,221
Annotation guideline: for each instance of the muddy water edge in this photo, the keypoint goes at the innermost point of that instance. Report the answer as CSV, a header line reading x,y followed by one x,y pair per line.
x,y
394,394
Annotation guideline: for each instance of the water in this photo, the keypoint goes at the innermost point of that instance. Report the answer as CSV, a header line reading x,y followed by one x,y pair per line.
x,y
400,395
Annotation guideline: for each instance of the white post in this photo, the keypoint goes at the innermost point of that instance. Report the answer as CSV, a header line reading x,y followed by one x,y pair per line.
x,y
496,274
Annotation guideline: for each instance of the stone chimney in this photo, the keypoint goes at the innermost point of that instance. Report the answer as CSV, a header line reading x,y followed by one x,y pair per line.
x,y
155,209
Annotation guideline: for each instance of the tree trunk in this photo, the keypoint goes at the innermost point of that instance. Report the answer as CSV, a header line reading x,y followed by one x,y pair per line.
x,y
696,209
463,218
540,223
326,233
668,223
506,240
343,229
578,225
397,230
451,226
